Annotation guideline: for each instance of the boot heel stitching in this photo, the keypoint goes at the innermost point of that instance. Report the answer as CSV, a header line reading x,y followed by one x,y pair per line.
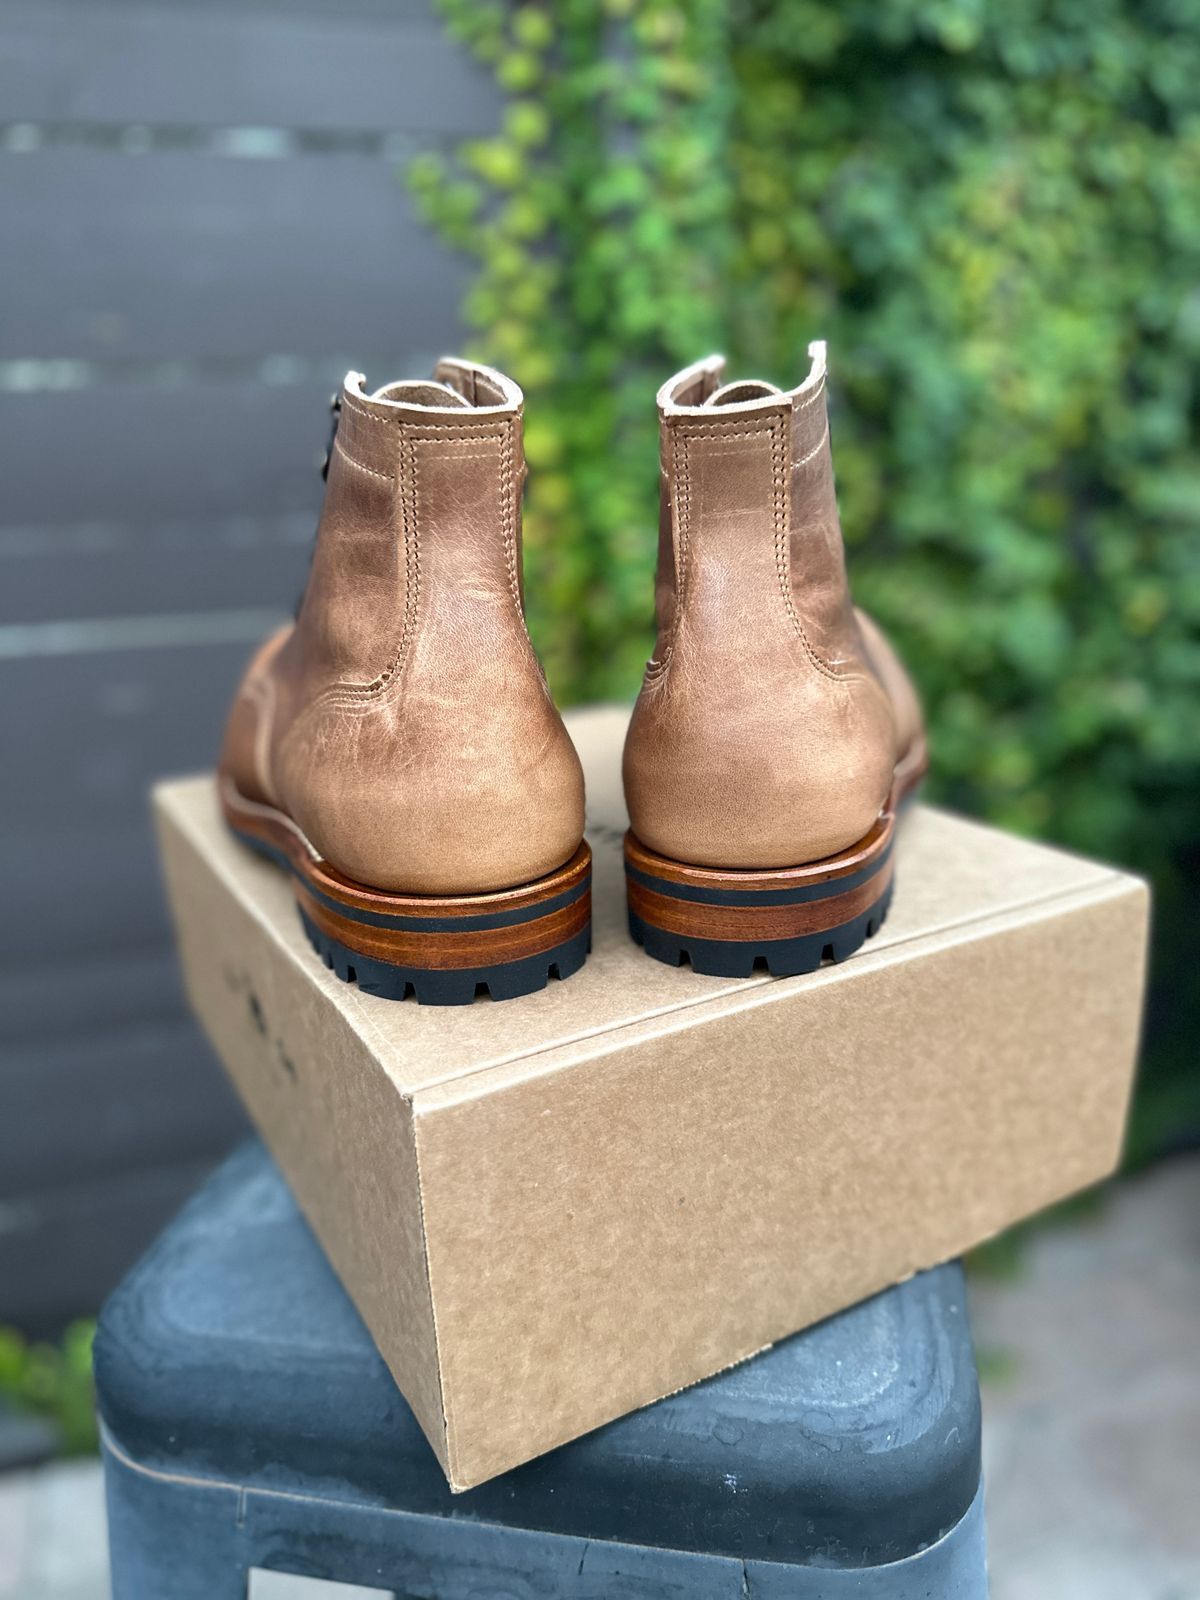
x,y
681,440
814,452
504,440
682,507
780,454
510,519
386,477
813,397
354,695
412,553
681,464
365,416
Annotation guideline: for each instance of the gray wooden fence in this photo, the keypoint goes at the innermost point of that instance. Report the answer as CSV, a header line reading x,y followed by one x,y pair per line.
x,y
203,224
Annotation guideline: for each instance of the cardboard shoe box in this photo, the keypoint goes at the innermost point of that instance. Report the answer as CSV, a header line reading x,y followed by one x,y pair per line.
x,y
553,1210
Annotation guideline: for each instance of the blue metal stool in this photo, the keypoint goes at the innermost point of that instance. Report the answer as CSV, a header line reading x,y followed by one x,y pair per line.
x,y
250,1423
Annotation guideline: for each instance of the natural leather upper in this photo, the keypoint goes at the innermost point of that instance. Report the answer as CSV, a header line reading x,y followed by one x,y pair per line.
x,y
404,723
772,715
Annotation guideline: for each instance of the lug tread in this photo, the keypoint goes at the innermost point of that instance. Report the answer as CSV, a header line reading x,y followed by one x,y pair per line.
x,y
782,958
453,987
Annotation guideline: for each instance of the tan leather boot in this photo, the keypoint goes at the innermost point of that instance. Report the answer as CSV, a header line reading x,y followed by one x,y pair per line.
x,y
397,750
776,732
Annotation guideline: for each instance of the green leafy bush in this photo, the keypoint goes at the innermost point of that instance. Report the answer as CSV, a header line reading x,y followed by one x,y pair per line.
x,y
993,214
53,1381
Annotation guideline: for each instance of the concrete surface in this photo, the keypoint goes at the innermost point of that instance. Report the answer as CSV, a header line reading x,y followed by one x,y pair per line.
x,y
1092,1418
1089,1355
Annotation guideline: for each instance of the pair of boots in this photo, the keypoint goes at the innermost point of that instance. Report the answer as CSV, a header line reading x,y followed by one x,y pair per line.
x,y
397,750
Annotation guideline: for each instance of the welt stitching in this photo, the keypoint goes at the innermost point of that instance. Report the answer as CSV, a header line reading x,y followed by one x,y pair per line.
x,y
779,456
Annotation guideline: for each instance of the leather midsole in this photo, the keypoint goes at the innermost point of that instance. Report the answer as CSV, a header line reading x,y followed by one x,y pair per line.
x,y
757,922
771,910
760,904
435,932
454,948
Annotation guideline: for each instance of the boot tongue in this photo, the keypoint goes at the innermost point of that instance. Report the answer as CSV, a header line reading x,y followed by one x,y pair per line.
x,y
734,394
421,392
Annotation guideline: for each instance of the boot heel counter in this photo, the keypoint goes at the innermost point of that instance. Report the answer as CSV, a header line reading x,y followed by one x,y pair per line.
x,y
427,803
787,779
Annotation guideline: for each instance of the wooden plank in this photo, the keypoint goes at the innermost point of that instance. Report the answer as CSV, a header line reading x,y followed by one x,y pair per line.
x,y
110,1103
88,733
73,891
88,889
115,1109
186,257
93,728
63,1252
117,452
98,996
313,66
97,570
